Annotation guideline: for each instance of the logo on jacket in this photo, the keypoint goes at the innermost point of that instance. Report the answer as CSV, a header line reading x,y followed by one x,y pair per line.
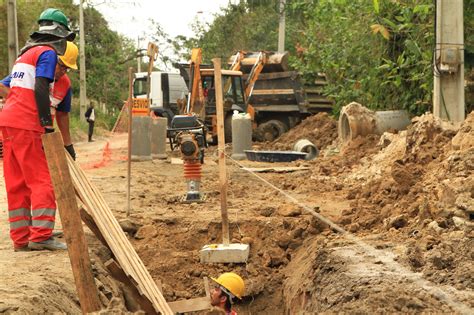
x,y
18,75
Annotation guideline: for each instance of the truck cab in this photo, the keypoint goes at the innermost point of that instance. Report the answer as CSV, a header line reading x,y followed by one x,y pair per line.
x,y
165,89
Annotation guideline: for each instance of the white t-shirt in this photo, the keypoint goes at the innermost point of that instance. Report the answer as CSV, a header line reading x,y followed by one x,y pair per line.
x,y
92,116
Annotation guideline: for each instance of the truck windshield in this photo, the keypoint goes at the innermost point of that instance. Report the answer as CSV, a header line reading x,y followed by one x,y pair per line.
x,y
139,87
233,88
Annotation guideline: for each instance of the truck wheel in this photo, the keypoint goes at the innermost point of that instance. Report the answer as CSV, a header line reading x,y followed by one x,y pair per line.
x,y
271,130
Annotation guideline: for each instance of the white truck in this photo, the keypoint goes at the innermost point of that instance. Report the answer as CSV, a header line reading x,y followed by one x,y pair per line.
x,y
165,89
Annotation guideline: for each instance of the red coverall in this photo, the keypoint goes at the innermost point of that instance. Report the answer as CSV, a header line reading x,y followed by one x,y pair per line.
x,y
30,194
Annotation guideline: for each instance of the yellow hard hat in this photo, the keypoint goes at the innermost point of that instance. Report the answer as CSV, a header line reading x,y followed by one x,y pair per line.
x,y
231,283
70,55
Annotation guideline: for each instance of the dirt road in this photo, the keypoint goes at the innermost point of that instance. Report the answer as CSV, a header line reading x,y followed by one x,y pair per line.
x,y
405,199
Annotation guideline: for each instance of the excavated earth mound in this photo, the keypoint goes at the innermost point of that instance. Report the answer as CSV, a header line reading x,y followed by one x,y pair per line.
x,y
320,129
411,193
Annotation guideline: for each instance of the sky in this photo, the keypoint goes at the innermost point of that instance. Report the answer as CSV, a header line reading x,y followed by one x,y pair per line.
x,y
131,18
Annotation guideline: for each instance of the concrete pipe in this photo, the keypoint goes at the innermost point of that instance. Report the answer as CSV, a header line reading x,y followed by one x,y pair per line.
x,y
158,137
391,119
306,146
356,120
141,138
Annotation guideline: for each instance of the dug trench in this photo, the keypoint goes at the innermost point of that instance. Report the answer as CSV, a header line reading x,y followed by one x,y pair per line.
x,y
407,196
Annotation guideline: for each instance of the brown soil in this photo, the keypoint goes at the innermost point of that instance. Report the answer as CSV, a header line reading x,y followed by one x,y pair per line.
x,y
320,129
407,196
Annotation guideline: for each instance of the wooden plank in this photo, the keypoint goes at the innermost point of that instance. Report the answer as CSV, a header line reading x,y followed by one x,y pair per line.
x,y
273,92
71,222
221,149
117,272
114,236
277,75
191,305
277,108
89,221
117,240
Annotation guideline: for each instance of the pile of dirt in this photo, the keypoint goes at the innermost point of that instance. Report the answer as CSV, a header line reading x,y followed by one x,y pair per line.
x,y
423,197
320,129
412,193
407,184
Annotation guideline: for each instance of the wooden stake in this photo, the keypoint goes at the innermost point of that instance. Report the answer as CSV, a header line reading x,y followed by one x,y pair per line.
x,y
129,160
221,149
71,220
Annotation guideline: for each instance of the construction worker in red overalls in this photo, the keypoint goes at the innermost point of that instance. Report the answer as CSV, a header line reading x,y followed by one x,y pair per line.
x,y
60,94
229,285
24,118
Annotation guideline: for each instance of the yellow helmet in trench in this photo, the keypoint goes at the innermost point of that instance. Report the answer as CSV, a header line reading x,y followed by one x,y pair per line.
x,y
231,283
70,56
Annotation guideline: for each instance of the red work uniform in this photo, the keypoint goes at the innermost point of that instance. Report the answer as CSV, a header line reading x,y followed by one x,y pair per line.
x,y
61,95
31,201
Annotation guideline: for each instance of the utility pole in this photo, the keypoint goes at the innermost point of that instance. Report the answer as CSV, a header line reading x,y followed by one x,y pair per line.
x,y
82,63
281,28
448,96
12,33
139,57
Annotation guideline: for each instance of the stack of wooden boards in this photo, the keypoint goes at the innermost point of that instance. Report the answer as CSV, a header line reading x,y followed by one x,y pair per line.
x,y
69,182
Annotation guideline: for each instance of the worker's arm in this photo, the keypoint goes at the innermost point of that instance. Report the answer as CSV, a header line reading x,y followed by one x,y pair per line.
x,y
45,68
5,86
62,119
4,91
43,102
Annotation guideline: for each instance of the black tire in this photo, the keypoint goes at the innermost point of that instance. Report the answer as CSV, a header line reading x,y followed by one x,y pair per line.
x,y
271,130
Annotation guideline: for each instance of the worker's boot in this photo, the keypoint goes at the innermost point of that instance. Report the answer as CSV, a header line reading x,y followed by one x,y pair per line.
x,y
22,249
57,234
49,244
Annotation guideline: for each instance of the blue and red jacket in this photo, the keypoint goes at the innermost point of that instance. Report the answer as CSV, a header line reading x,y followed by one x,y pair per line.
x,y
20,109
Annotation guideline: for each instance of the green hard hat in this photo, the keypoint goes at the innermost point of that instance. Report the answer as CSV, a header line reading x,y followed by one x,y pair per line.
x,y
54,15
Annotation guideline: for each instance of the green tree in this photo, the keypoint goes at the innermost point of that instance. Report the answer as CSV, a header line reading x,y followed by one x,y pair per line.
x,y
378,53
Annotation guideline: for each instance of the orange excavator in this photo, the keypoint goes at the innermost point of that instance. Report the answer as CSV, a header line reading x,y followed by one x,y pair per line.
x,y
202,97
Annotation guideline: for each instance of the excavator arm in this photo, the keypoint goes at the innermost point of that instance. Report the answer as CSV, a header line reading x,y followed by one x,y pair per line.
x,y
254,73
196,94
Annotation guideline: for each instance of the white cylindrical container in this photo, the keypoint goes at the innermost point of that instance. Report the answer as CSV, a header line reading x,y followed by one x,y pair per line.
x,y
241,135
158,137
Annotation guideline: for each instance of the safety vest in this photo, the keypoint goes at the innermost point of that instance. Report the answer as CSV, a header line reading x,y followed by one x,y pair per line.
x,y
58,92
20,109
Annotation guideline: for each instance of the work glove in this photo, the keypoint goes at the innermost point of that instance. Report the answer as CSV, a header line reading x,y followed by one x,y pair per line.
x,y
71,151
48,129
